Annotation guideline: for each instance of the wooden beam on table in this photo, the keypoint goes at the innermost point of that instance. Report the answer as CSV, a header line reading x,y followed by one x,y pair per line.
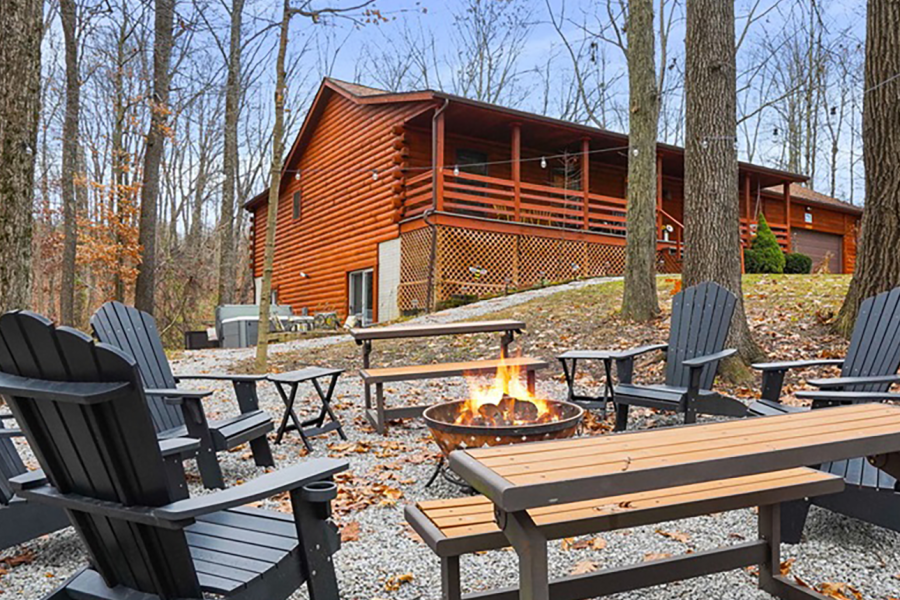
x,y
586,179
517,168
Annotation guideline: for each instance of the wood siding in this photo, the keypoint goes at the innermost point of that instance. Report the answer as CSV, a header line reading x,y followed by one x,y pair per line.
x,y
345,213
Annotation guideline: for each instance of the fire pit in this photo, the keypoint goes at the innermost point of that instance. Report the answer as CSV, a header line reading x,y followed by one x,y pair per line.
x,y
505,412
511,421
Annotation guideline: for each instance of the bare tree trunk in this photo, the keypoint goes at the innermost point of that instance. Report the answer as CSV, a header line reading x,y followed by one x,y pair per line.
x,y
639,300
69,18
119,154
878,258
162,51
262,344
21,29
230,158
711,208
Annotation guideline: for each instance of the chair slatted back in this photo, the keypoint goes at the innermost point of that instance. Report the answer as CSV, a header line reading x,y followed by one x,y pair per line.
x,y
134,332
105,451
701,319
875,343
10,465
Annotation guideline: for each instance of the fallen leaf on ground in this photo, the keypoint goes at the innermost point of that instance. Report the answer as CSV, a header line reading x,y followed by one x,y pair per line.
x,y
394,582
786,565
839,590
656,556
584,566
678,536
350,532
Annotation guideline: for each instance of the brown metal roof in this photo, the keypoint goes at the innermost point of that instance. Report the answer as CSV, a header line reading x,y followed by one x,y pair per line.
x,y
801,192
368,95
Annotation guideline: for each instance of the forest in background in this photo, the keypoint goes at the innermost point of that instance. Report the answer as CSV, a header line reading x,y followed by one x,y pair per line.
x,y
799,108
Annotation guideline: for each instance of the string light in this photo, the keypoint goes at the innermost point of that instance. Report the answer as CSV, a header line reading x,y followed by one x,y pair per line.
x,y
374,172
456,171
297,176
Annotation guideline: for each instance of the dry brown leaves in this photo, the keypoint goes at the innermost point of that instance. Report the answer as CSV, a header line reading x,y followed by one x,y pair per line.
x,y
394,582
350,532
596,543
678,536
656,556
584,566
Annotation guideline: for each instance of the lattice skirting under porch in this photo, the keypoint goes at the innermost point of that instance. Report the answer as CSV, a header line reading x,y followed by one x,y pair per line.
x,y
469,262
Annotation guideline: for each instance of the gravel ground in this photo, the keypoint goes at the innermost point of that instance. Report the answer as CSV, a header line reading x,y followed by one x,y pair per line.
x,y
388,472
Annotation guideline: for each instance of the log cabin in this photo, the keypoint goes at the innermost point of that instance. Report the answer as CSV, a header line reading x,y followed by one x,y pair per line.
x,y
393,203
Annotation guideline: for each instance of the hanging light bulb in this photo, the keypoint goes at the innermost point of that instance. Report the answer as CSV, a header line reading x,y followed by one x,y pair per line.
x,y
543,163
297,176
374,174
456,171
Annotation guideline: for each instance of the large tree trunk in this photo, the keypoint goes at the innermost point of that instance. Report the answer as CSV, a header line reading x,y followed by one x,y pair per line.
x,y
68,16
639,301
878,258
711,208
162,51
262,344
230,158
21,29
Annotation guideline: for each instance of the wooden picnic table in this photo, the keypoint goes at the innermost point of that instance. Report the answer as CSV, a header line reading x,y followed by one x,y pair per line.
x,y
528,476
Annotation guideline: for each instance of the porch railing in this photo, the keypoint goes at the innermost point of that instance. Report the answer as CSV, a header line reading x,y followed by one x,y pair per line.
x,y
748,230
492,198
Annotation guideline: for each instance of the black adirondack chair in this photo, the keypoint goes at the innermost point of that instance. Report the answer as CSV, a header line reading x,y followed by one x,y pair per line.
x,y
20,520
701,318
83,410
867,373
178,413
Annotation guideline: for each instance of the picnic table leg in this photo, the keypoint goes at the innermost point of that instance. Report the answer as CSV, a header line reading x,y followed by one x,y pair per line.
x,y
506,339
366,352
770,578
380,421
451,588
569,376
531,546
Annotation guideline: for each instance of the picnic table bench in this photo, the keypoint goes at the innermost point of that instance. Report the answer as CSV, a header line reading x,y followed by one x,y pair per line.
x,y
544,490
378,415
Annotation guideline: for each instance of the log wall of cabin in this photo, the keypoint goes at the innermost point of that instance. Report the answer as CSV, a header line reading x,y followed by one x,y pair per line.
x,y
344,213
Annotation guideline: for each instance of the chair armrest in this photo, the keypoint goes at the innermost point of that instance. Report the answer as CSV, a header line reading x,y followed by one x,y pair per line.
x,y
179,514
179,446
177,396
28,480
826,383
631,353
220,377
62,391
702,361
797,364
847,397
269,485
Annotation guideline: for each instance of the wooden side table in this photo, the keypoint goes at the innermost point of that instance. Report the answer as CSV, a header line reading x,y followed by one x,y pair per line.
x,y
569,361
311,427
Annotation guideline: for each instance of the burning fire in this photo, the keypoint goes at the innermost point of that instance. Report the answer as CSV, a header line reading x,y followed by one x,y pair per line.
x,y
504,402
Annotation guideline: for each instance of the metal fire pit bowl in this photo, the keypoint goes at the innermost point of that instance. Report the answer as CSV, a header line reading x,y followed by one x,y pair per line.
x,y
450,436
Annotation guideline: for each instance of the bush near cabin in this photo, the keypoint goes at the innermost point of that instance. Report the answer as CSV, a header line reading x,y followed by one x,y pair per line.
x,y
797,263
764,254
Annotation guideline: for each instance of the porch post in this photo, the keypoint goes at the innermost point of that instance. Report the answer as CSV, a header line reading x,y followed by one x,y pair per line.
x,y
747,206
437,162
517,168
659,196
787,214
586,179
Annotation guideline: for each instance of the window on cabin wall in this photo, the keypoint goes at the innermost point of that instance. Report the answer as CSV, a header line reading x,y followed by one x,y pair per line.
x,y
296,205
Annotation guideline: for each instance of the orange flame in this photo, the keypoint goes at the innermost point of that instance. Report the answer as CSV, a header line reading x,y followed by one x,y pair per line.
x,y
507,384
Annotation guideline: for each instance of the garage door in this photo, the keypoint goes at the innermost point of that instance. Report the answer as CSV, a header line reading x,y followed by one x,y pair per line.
x,y
822,248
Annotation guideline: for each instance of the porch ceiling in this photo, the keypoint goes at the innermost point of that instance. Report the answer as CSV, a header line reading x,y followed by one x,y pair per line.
x,y
552,136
